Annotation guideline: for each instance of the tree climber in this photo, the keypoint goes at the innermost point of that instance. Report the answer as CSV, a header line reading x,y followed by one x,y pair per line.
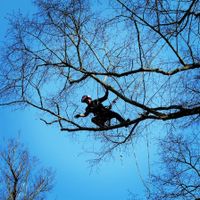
x,y
101,113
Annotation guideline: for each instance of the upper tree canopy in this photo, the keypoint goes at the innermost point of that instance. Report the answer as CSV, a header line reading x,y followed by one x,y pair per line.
x,y
146,53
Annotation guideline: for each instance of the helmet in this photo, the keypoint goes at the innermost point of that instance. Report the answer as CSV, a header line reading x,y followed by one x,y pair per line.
x,y
84,98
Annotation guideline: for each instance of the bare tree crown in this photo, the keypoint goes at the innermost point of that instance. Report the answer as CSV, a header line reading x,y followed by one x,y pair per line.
x,y
145,53
20,175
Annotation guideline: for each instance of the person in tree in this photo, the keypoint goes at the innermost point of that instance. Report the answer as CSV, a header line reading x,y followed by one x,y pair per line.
x,y
101,113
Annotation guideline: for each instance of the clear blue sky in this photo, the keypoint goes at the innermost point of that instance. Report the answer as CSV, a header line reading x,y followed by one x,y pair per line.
x,y
113,179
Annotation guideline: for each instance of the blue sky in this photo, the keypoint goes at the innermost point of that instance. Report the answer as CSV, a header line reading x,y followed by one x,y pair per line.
x,y
113,179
